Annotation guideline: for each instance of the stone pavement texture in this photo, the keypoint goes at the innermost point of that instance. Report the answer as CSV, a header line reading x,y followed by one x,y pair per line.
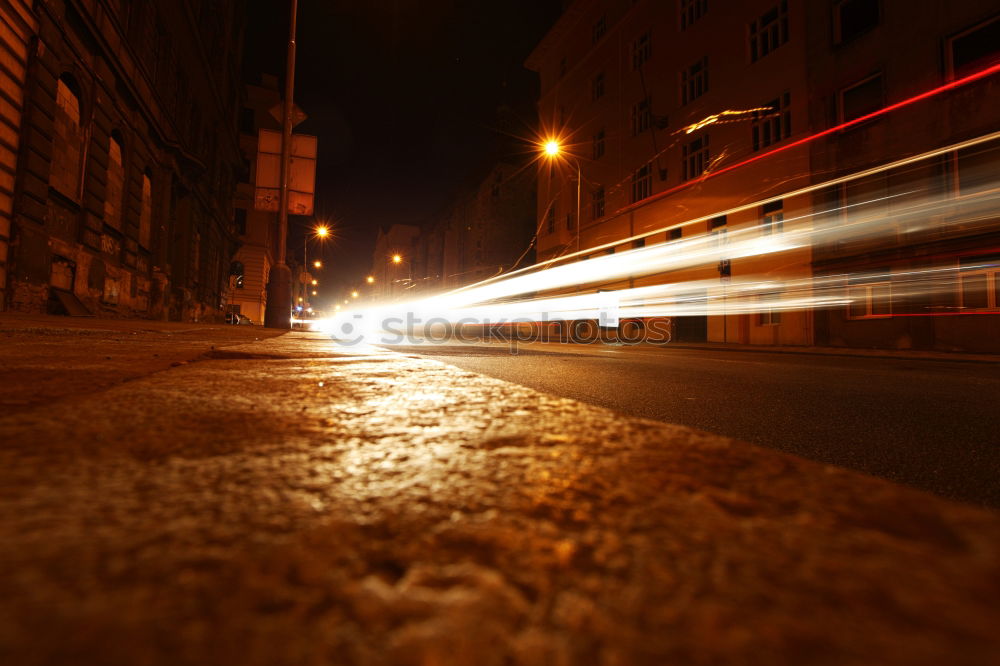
x,y
288,501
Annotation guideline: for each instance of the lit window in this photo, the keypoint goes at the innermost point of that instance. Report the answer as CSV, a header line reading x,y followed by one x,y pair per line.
x,y
691,11
979,283
696,157
769,31
694,81
146,212
853,18
774,125
642,183
67,144
869,299
772,218
768,313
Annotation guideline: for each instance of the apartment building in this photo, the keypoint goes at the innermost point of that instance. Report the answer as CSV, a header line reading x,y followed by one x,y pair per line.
x,y
127,156
668,111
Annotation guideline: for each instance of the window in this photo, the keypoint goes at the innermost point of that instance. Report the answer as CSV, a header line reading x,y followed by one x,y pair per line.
x,y
691,11
642,50
774,125
869,298
569,221
767,313
597,87
115,187
979,283
146,211
694,81
599,28
64,173
597,203
769,31
772,218
599,144
642,183
861,99
641,116
853,18
695,157
638,242
974,49
551,220
675,234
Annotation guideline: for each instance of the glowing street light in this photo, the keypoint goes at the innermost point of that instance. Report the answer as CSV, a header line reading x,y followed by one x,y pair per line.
x,y
317,264
370,279
553,150
315,282
314,293
354,294
397,258
322,231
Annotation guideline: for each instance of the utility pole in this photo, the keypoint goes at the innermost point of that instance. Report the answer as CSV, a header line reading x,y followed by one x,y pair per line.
x,y
279,286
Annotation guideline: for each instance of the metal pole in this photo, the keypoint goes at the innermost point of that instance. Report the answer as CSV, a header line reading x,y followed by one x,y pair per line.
x,y
579,177
279,288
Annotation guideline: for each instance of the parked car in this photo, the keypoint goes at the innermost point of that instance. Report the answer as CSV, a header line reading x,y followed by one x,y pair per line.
x,y
232,318
244,320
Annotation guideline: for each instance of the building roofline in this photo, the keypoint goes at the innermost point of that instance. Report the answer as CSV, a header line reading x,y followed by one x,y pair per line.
x,y
562,28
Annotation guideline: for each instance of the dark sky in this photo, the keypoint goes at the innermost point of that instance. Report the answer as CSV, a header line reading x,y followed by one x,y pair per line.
x,y
403,95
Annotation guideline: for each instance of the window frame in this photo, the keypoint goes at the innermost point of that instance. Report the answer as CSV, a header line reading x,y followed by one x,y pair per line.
x,y
778,29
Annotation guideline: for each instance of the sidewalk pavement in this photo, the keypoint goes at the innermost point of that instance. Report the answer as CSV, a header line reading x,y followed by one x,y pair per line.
x,y
289,501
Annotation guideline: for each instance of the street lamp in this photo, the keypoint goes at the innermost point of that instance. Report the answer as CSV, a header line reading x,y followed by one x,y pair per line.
x,y
553,150
370,279
354,294
322,231
397,259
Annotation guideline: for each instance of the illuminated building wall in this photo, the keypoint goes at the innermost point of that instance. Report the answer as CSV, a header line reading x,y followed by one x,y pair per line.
x,y
870,55
648,98
128,159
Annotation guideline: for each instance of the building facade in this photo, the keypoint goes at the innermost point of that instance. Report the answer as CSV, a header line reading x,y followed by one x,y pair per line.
x,y
257,230
127,158
484,233
668,112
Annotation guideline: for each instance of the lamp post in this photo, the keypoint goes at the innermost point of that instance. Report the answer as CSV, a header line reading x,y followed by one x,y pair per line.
x,y
321,232
554,150
279,287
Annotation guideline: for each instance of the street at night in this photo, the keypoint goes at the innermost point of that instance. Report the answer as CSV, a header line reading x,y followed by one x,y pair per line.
x,y
499,332
931,424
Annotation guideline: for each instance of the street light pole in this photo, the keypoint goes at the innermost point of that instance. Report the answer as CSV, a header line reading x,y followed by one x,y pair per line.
x,y
579,178
279,286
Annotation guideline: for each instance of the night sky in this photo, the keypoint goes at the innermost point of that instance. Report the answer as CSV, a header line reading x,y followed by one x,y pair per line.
x,y
403,95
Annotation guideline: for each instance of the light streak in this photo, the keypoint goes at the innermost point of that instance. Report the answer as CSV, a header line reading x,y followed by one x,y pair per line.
x,y
727,116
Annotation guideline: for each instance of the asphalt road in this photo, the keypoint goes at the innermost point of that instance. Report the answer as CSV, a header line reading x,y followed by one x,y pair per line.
x,y
931,424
